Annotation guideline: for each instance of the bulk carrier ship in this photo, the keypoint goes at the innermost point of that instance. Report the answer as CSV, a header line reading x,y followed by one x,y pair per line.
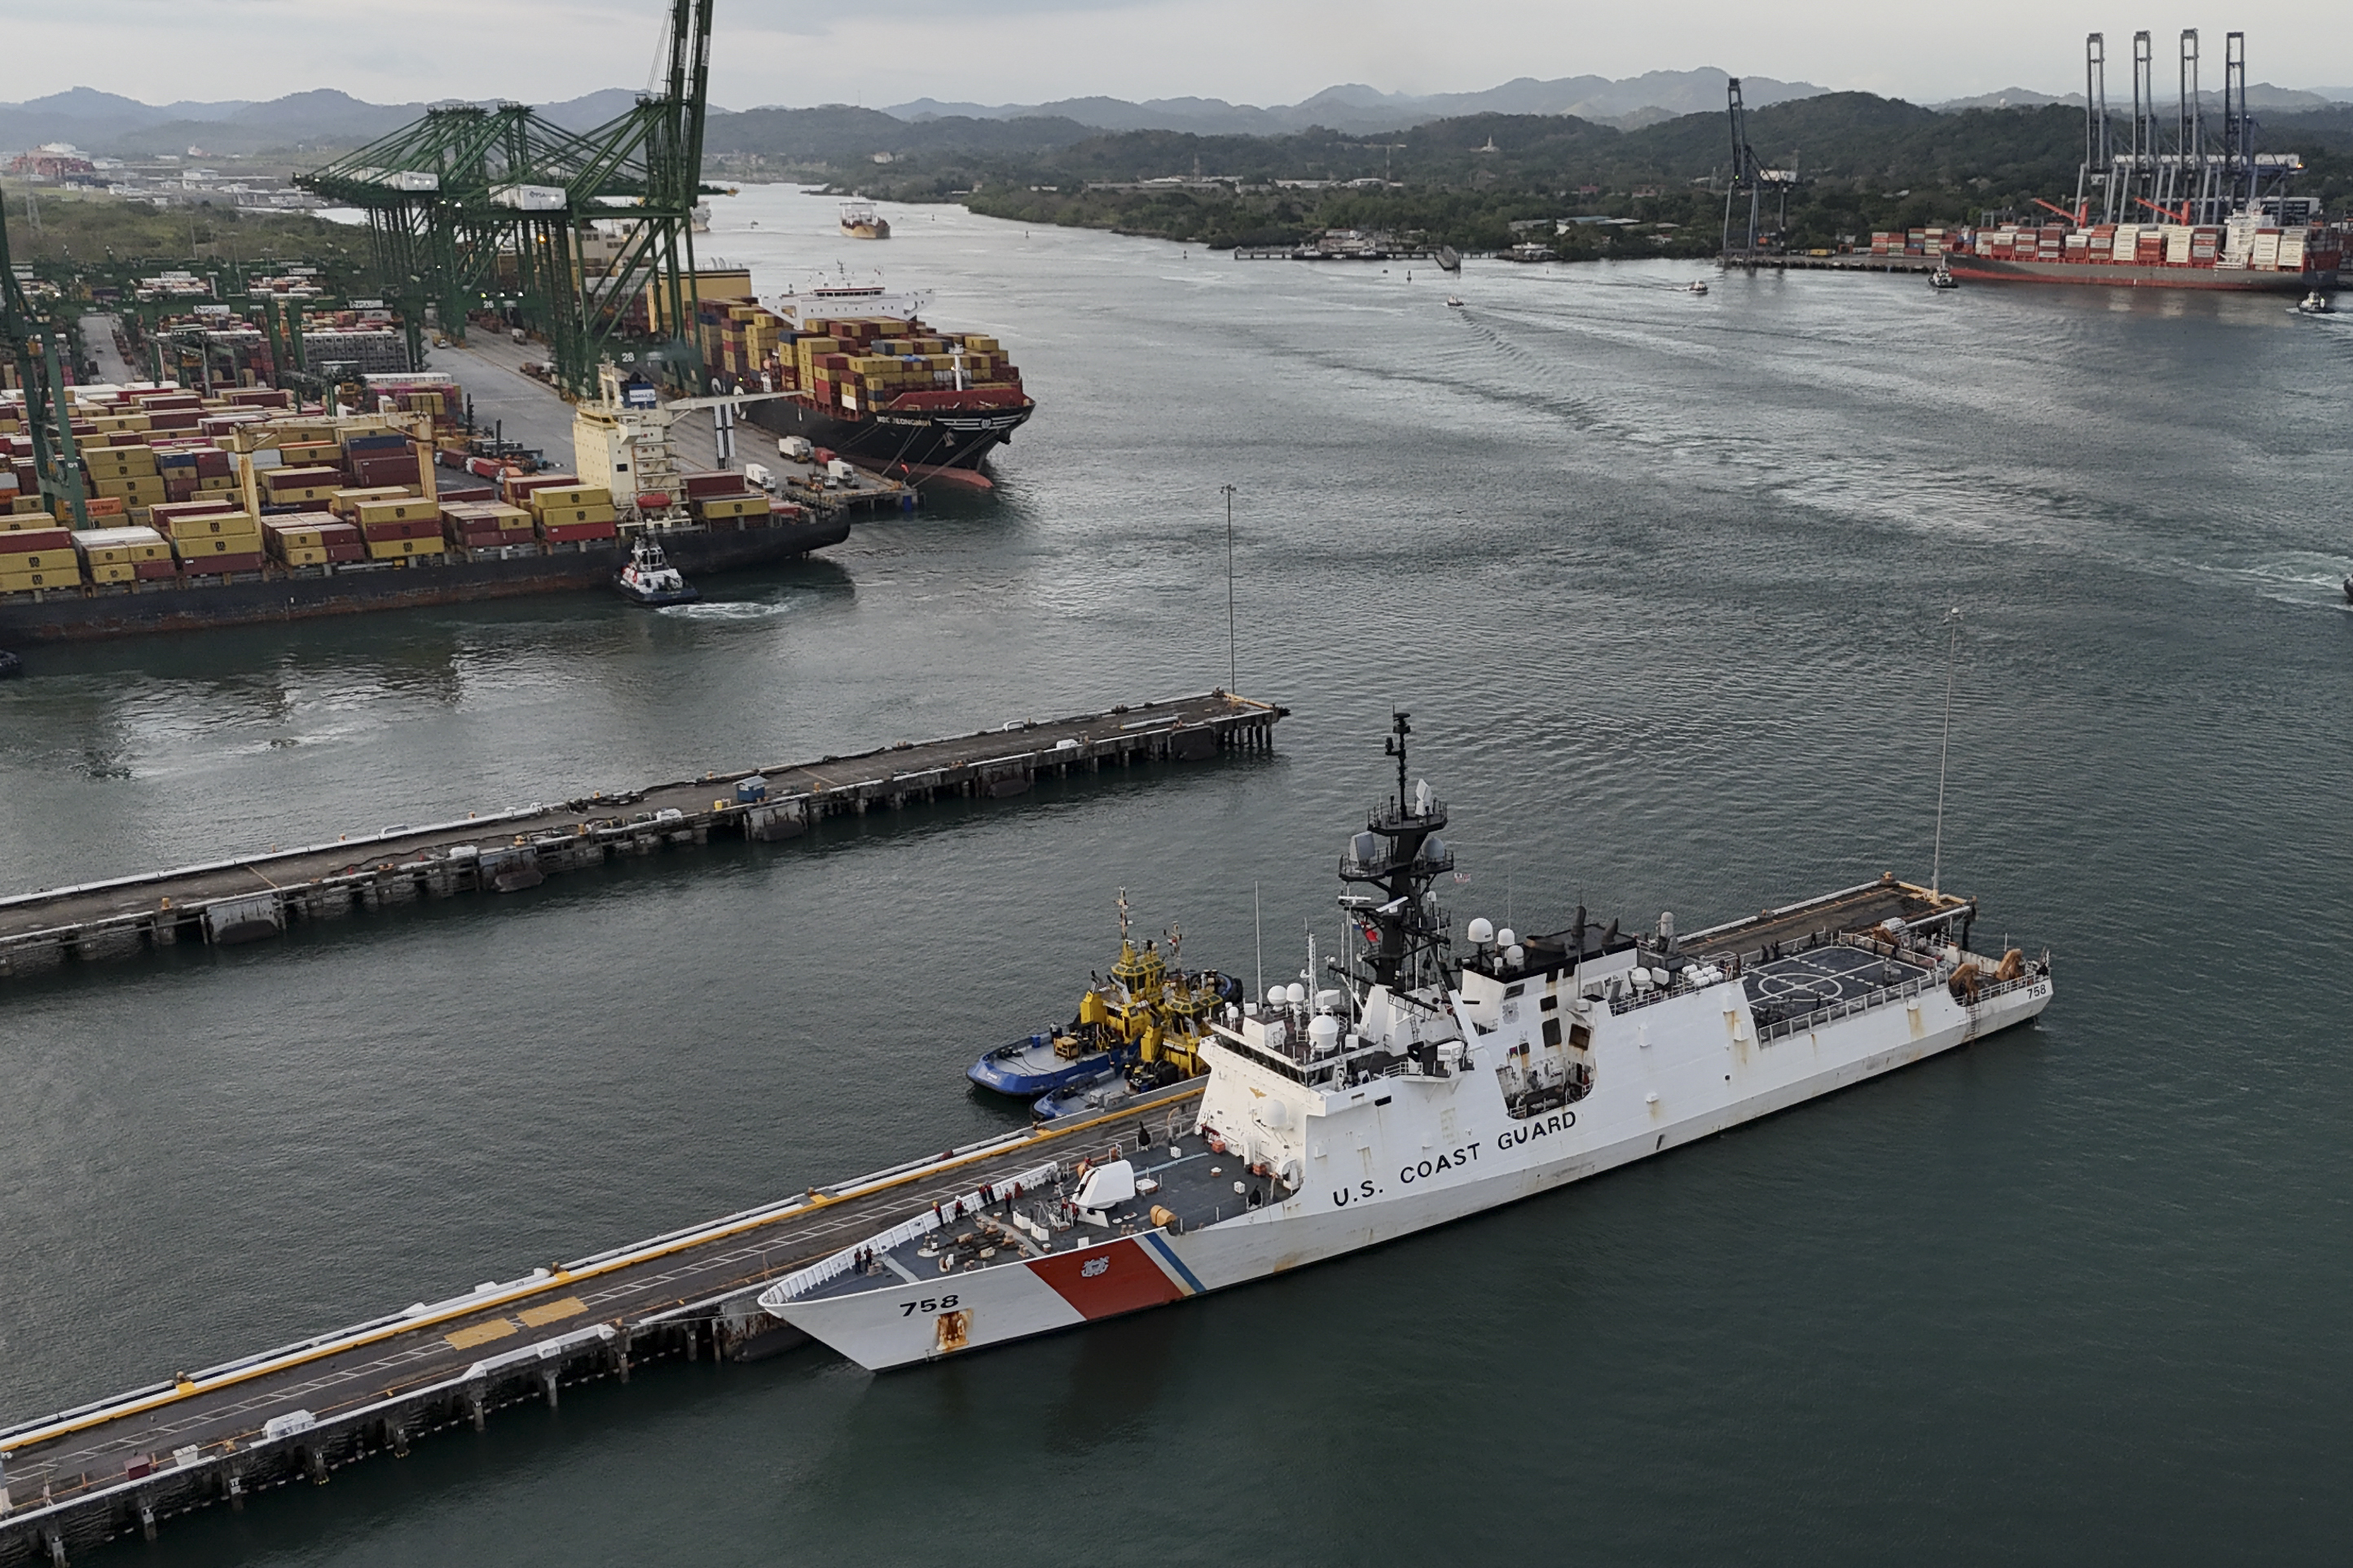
x,y
1423,1089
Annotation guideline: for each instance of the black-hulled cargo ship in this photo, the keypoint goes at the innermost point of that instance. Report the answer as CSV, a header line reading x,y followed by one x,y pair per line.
x,y
278,593
868,379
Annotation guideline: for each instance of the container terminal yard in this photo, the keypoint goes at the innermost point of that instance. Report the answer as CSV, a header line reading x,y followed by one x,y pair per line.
x,y
239,899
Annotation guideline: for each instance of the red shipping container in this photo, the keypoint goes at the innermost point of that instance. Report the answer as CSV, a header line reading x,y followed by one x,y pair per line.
x,y
413,528
34,541
373,472
702,487
175,419
515,486
566,532
337,553
221,565
155,571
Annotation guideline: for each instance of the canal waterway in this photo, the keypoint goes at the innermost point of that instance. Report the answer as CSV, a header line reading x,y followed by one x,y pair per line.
x,y
1662,579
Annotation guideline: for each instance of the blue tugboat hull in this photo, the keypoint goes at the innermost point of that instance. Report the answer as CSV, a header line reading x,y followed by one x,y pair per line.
x,y
1028,1067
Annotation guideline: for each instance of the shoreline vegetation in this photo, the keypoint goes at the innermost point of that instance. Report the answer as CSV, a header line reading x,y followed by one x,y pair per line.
x,y
1483,183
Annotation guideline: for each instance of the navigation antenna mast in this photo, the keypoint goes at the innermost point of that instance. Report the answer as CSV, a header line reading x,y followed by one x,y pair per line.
x,y
1395,860
1944,752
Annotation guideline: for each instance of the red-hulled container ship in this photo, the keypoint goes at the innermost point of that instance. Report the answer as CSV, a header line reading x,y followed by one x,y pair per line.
x,y
2245,253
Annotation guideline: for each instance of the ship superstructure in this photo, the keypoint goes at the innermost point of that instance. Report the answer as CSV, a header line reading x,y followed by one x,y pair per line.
x,y
1426,1086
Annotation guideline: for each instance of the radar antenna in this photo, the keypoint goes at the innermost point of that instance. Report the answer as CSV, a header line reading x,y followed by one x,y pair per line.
x,y
1395,859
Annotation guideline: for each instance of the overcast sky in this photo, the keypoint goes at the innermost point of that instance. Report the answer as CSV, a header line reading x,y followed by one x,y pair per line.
x,y
802,52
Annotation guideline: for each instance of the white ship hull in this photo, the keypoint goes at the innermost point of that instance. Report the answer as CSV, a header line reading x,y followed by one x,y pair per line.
x,y
1377,1161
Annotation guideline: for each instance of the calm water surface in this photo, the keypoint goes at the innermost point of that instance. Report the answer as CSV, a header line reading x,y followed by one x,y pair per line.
x,y
1660,578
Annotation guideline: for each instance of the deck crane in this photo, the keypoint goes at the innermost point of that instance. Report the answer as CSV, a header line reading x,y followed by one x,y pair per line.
x,y
32,342
589,235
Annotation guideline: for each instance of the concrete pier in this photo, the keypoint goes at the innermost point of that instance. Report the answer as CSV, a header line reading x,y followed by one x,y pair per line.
x,y
76,1477
254,897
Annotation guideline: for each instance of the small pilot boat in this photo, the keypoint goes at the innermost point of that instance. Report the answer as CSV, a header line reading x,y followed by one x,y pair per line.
x,y
651,578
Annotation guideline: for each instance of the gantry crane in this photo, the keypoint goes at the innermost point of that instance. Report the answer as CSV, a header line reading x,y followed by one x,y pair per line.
x,y
33,345
1751,177
590,233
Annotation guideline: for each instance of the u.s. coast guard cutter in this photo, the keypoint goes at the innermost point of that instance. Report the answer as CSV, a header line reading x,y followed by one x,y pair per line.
x,y
1424,1089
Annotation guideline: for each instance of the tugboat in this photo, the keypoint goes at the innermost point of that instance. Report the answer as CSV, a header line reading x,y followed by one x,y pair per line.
x,y
1424,1086
651,578
1942,278
860,221
1142,1025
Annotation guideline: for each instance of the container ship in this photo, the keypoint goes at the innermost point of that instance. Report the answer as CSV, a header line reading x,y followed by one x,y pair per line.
x,y
867,380
239,510
1425,1088
2242,254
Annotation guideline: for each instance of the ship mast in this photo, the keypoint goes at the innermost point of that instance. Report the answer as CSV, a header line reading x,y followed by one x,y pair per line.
x,y
1395,859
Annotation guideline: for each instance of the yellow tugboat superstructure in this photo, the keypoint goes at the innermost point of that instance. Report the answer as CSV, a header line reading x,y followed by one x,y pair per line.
x,y
1143,1025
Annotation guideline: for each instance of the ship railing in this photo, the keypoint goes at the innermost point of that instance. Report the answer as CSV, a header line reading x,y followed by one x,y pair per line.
x,y
1869,1001
801,1281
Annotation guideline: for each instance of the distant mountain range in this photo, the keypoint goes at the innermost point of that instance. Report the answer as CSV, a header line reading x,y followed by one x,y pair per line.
x,y
1628,103
324,118
107,122
2261,97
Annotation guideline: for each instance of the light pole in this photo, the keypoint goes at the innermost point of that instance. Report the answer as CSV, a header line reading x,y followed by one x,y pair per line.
x,y
1233,660
1944,752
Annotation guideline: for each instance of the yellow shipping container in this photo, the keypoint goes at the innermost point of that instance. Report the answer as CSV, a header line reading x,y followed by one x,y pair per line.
x,y
562,496
109,546
222,544
25,511
303,555
409,508
50,561
343,501
26,582
220,524
289,496
144,491
564,516
114,571
731,506
396,549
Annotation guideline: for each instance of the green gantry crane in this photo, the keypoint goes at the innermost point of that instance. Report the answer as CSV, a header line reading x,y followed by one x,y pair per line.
x,y
469,203
33,343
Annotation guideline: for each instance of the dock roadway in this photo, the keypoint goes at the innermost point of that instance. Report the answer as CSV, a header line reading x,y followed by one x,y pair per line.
x,y
77,1477
256,896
